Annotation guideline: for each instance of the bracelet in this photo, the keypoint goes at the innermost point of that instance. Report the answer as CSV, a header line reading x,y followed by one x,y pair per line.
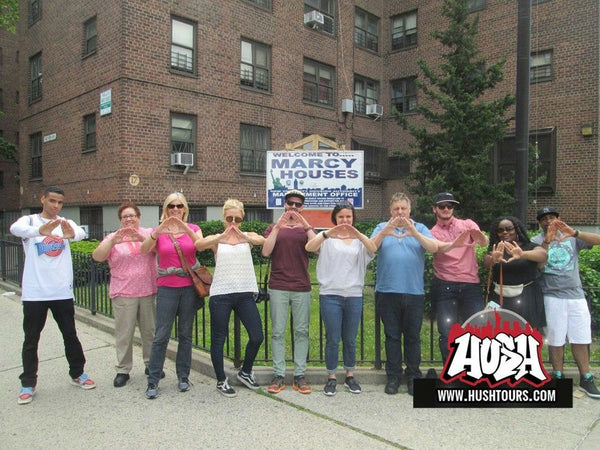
x,y
576,233
324,235
306,229
152,237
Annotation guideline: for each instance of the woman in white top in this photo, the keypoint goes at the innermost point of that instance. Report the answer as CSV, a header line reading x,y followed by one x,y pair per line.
x,y
233,288
341,268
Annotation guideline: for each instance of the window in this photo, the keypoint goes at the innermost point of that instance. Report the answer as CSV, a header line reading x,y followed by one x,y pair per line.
x,y
404,95
35,71
504,158
265,4
372,156
183,133
35,11
325,7
254,143
366,92
196,214
255,65
318,83
398,167
404,31
90,31
366,30
92,217
183,39
89,133
540,67
35,145
475,5
260,214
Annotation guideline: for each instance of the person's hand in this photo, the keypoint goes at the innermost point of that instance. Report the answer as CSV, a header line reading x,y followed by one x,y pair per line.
x,y
390,228
172,225
47,228
479,238
233,236
498,253
292,219
67,230
463,240
343,231
558,226
127,235
513,249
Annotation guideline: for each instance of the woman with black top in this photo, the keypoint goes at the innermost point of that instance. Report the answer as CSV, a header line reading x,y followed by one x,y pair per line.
x,y
512,256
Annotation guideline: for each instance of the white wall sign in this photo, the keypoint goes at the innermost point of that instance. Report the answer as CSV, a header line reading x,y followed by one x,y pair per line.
x,y
106,102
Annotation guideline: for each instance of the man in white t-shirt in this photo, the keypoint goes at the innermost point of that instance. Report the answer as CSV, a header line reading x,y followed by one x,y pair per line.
x,y
48,285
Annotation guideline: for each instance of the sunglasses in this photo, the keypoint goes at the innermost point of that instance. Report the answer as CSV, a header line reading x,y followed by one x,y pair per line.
x,y
129,216
446,206
231,219
178,206
501,230
296,204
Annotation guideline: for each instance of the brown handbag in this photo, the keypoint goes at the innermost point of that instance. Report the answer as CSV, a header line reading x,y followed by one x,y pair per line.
x,y
201,277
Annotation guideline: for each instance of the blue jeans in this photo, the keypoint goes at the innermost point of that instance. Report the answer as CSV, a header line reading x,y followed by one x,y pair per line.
x,y
402,317
220,311
454,303
172,302
280,303
341,316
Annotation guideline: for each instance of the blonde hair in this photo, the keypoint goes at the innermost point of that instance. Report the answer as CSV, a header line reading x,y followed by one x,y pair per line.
x,y
398,196
233,203
169,199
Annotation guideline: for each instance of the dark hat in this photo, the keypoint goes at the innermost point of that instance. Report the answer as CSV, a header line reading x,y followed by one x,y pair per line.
x,y
443,197
545,211
294,193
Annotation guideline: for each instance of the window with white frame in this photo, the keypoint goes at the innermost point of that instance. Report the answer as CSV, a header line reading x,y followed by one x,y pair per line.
x,y
183,39
255,65
89,130
35,148
90,31
404,30
183,133
254,143
540,66
318,83
404,95
366,92
35,73
325,7
366,30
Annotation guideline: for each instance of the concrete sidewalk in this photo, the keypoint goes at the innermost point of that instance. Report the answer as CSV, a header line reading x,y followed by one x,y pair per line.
x,y
64,416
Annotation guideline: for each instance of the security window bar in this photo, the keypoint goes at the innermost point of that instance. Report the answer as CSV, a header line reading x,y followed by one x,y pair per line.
x,y
404,95
404,31
372,158
318,83
366,30
89,129
540,67
90,36
183,45
366,92
255,65
35,11
325,7
35,71
254,143
35,148
265,4
183,133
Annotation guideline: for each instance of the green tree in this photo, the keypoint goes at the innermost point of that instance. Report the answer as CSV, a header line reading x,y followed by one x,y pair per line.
x,y
454,154
9,15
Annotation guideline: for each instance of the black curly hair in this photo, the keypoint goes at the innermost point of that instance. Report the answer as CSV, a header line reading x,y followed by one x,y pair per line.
x,y
522,236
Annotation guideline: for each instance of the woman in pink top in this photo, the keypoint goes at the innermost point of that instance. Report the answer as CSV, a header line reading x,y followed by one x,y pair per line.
x,y
176,295
132,288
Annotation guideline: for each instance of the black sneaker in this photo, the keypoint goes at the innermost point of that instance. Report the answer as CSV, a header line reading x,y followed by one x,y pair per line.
x,y
410,386
184,384
431,374
329,388
247,380
352,385
151,391
392,385
586,384
224,388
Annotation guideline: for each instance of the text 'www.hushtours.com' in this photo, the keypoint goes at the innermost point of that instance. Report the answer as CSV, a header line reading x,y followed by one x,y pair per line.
x,y
478,396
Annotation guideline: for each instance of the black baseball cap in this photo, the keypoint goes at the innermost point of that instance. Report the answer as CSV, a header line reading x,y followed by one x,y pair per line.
x,y
445,197
545,211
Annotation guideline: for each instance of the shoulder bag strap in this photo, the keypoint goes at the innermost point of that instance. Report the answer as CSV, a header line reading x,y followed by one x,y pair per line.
x,y
184,263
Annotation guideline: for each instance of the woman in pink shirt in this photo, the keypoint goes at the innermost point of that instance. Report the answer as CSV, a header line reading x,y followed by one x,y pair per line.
x,y
132,288
176,295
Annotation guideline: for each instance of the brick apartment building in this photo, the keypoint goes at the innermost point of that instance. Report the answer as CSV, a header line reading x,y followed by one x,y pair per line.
x,y
216,83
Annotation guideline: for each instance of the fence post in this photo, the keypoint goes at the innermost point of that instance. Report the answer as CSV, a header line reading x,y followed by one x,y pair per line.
x,y
3,259
377,324
93,284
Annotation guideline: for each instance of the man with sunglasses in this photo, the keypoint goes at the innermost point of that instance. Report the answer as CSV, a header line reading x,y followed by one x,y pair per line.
x,y
456,289
567,312
289,286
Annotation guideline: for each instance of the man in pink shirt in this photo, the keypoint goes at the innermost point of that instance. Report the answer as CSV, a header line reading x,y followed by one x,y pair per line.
x,y
456,289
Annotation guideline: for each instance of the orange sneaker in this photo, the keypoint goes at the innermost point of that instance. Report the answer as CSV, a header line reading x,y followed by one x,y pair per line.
x,y
277,385
301,385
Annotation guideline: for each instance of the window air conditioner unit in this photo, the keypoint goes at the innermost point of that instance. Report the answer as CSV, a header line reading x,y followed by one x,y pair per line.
x,y
375,110
182,159
313,18
372,174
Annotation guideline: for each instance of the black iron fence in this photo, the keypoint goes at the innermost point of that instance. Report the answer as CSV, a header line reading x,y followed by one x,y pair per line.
x,y
91,291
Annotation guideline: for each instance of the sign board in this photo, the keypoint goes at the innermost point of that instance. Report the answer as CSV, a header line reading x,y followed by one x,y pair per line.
x,y
325,176
50,137
106,102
